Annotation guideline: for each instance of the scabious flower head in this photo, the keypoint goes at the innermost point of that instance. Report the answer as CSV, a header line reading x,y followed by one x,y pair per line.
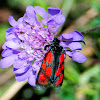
x,y
26,39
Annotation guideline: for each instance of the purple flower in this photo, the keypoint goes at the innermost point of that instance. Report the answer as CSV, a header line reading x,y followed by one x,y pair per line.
x,y
26,39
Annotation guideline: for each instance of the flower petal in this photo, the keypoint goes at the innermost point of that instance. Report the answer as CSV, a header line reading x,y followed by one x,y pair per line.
x,y
53,10
19,63
10,34
32,78
7,52
78,57
8,61
35,67
23,69
12,21
77,36
69,53
75,46
53,26
60,19
20,70
66,36
63,44
41,11
4,46
12,45
20,20
22,77
10,37
30,12
29,20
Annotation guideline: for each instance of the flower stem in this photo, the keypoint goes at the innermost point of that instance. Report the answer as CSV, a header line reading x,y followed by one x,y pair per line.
x,y
90,30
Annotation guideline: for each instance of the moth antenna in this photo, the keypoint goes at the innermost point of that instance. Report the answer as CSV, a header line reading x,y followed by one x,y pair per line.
x,y
76,41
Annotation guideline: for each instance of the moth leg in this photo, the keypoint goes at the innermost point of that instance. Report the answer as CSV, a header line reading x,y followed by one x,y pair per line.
x,y
45,48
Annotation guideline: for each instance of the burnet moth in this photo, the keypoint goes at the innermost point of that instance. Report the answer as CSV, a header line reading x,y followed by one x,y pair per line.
x,y
52,69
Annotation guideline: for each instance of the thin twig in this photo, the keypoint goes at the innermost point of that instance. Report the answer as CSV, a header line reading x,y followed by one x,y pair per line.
x,y
12,91
6,76
90,30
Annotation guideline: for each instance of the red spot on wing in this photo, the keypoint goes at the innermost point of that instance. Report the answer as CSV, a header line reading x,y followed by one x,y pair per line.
x,y
58,72
43,65
59,80
49,57
42,79
62,67
44,75
61,58
48,71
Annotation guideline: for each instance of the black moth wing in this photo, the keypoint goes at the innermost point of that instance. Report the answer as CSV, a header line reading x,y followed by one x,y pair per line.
x,y
44,78
59,71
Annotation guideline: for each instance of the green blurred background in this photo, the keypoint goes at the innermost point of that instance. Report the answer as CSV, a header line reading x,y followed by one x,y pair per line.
x,y
81,81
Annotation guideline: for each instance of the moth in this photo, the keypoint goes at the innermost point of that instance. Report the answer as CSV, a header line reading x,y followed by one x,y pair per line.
x,y
52,69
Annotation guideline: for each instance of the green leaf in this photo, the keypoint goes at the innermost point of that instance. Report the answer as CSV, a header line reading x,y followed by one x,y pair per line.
x,y
71,73
97,95
85,77
44,98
